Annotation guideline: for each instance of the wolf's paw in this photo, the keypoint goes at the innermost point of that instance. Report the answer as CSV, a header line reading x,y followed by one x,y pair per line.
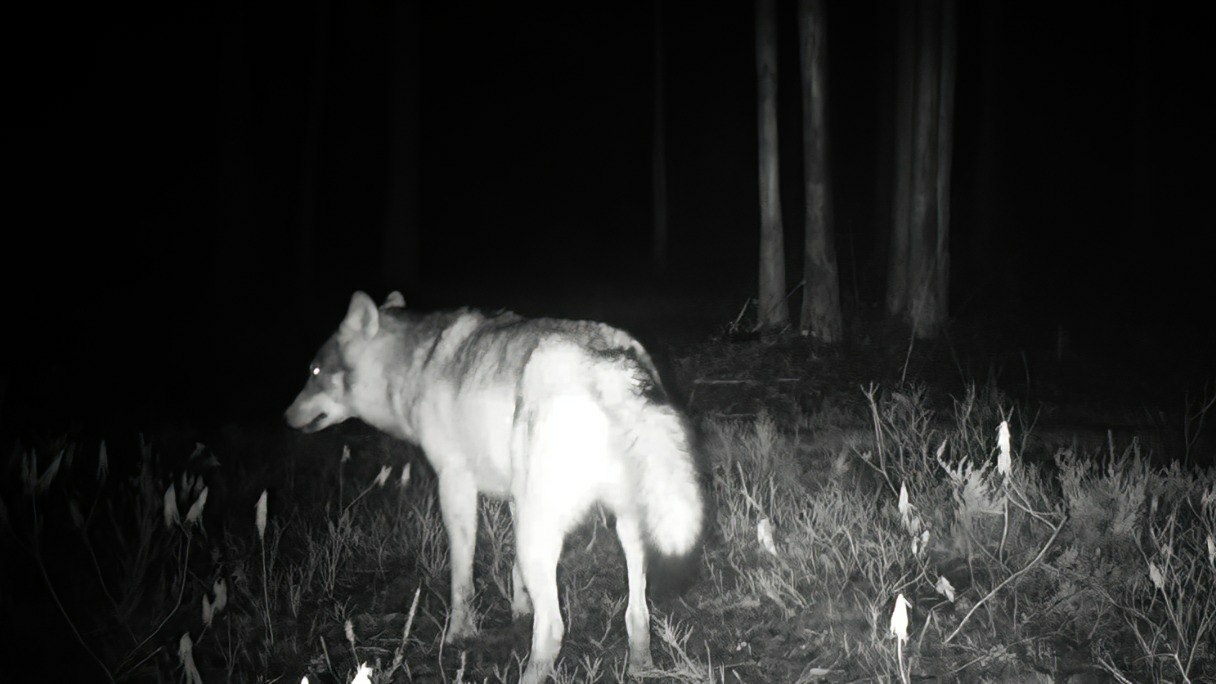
x,y
460,631
536,672
640,664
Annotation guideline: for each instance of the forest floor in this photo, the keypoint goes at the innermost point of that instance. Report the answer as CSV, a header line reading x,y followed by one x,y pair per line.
x,y
1042,517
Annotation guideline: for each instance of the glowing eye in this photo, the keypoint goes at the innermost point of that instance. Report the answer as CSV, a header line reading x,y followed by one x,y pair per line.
x,y
315,370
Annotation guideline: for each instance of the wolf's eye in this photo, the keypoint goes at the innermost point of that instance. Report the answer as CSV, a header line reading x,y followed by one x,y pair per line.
x,y
314,370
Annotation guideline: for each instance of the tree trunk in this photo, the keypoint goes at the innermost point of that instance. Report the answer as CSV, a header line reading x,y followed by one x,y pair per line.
x,y
945,165
772,311
658,158
897,255
400,256
821,293
923,300
924,170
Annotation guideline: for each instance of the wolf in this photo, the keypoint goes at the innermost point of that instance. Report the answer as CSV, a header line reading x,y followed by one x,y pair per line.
x,y
555,416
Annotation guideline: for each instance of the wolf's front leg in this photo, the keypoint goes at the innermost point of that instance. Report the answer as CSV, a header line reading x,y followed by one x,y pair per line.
x,y
458,503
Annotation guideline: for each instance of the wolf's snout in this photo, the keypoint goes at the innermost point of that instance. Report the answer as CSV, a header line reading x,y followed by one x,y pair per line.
x,y
298,418
305,420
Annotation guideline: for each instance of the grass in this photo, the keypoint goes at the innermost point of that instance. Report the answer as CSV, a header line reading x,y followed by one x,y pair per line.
x,y
1016,560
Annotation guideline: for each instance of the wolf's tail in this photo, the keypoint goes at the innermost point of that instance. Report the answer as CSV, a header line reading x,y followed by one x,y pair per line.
x,y
671,495
659,443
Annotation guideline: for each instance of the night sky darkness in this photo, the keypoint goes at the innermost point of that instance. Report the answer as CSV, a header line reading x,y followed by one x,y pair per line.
x,y
153,263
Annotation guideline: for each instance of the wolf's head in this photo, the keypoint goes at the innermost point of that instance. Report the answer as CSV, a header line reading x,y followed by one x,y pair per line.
x,y
332,393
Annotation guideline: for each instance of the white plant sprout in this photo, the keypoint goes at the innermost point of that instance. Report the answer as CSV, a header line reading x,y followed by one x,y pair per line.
x,y
32,482
1175,577
382,476
213,606
220,589
74,513
899,629
363,675
399,654
260,521
945,588
1208,501
1004,459
349,630
195,513
380,480
1154,574
260,515
185,654
1009,495
915,527
342,461
189,489
764,534
1004,466
171,515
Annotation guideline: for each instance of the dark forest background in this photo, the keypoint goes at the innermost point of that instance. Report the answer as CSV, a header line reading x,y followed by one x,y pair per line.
x,y
194,190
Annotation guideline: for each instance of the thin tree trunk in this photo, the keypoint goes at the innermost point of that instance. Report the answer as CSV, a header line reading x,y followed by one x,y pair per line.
x,y
924,175
658,255
897,255
400,256
919,274
883,186
772,311
985,201
929,260
821,293
945,163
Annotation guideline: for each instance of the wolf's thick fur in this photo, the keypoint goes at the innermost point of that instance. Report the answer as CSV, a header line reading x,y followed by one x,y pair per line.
x,y
554,415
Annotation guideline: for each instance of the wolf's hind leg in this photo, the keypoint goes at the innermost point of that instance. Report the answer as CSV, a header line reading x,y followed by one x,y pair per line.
x,y
458,503
540,546
637,615
521,604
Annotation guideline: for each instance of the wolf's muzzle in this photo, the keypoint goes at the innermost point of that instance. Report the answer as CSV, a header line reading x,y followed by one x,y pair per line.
x,y
315,424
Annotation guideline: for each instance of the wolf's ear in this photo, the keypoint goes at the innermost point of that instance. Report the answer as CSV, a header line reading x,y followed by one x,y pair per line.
x,y
362,318
394,300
